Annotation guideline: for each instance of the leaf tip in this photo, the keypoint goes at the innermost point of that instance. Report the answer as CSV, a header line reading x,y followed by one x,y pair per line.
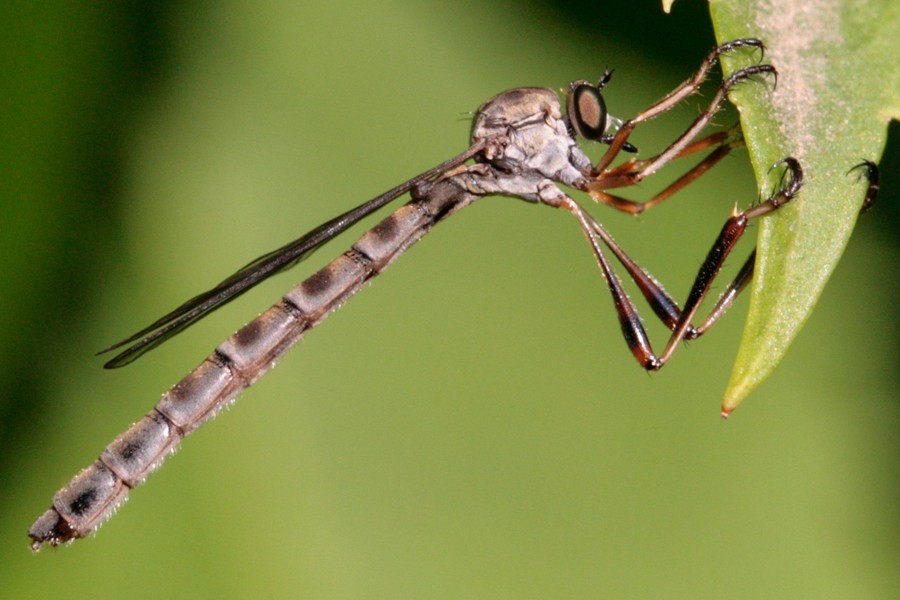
x,y
737,390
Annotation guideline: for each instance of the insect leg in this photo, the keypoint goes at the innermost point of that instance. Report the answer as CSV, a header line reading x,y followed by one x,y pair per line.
x,y
629,319
731,233
680,93
871,173
662,304
723,142
746,273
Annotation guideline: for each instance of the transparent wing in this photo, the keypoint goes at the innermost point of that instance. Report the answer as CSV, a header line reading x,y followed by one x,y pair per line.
x,y
173,323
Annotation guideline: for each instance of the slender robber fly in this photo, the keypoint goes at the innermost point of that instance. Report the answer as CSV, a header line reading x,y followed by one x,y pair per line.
x,y
522,145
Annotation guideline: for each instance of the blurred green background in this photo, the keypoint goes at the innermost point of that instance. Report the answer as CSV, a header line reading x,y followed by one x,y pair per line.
x,y
472,426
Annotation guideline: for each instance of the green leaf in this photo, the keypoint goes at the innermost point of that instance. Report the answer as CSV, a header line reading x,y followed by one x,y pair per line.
x,y
838,87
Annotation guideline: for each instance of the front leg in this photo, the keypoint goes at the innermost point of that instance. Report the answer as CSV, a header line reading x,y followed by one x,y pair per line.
x,y
687,88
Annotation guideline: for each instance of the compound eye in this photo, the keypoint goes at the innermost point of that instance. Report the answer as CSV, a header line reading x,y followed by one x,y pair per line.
x,y
587,111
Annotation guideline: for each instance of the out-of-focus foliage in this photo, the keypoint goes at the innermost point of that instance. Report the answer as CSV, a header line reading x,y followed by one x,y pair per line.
x,y
471,424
